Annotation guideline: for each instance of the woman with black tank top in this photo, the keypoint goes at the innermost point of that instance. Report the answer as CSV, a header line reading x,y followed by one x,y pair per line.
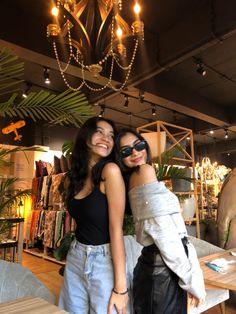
x,y
95,274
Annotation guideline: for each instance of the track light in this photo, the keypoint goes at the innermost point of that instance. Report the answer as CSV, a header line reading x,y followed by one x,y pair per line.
x,y
153,111
141,96
26,90
200,68
126,104
211,132
226,133
46,75
101,114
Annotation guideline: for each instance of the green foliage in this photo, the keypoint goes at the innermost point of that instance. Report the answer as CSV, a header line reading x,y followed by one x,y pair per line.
x,y
65,108
128,225
61,251
11,71
165,171
9,197
67,148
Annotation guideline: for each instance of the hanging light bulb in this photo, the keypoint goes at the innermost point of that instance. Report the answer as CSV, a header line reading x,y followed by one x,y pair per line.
x,y
153,111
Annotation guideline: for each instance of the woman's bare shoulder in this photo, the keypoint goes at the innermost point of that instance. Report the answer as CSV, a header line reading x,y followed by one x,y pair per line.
x,y
145,174
147,170
110,169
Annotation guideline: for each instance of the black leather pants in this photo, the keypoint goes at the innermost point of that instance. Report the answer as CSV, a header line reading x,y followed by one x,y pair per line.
x,y
155,286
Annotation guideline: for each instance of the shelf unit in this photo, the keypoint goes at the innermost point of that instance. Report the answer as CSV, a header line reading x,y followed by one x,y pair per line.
x,y
182,139
14,245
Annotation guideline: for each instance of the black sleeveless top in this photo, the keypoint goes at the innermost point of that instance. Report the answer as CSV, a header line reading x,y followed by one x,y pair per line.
x,y
91,216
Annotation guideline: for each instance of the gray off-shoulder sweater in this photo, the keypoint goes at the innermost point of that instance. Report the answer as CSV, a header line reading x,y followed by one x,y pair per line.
x,y
157,217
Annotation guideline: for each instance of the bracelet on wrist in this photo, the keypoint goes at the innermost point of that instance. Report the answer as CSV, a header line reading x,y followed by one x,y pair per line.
x,y
120,293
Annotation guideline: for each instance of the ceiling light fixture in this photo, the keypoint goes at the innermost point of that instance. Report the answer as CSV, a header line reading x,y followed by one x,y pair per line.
x,y
97,37
141,96
26,90
46,75
126,104
211,131
102,111
200,67
226,133
153,111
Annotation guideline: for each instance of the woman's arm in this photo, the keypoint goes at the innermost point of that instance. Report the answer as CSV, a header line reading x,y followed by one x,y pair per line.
x,y
163,231
115,192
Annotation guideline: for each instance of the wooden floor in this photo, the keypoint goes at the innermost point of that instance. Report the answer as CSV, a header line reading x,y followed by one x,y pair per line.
x,y
47,272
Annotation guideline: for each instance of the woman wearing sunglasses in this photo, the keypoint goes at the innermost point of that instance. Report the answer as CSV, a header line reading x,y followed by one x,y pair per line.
x,y
168,267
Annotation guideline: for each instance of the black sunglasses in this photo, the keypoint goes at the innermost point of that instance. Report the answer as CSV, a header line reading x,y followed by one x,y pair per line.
x,y
127,151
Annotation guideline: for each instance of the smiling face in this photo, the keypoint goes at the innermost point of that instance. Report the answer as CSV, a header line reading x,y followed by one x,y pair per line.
x,y
102,141
138,156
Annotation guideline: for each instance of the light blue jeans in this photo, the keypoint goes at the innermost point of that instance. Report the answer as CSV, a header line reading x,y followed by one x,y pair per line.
x,y
88,279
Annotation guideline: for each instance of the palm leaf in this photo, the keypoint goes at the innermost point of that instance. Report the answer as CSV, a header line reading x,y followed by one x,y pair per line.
x,y
11,71
67,107
4,152
11,199
67,148
165,171
5,226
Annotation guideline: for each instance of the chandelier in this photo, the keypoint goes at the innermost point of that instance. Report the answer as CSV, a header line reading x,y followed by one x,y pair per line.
x,y
96,37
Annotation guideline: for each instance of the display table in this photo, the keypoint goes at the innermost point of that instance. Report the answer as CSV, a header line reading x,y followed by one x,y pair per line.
x,y
216,280
30,305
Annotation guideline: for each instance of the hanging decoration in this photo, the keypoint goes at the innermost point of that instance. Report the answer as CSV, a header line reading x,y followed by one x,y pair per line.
x,y
12,127
97,38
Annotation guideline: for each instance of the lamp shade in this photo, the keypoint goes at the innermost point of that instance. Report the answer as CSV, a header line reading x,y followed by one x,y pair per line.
x,y
156,141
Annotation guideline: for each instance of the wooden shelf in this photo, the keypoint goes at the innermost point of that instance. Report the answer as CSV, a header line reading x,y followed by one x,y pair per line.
x,y
176,137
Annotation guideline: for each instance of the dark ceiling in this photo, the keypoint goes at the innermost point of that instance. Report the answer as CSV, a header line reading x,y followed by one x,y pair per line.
x,y
177,34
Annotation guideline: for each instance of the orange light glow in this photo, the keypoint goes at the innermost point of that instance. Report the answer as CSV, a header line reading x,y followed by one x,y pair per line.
x,y
55,11
137,8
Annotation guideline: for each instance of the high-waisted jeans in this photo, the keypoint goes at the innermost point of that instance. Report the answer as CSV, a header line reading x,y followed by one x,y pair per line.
x,y
88,279
155,286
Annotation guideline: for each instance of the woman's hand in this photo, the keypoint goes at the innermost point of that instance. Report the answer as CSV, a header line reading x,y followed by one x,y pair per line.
x,y
118,301
195,302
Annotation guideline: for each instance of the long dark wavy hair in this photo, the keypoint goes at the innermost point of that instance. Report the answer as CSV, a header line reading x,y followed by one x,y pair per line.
x,y
80,158
126,171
